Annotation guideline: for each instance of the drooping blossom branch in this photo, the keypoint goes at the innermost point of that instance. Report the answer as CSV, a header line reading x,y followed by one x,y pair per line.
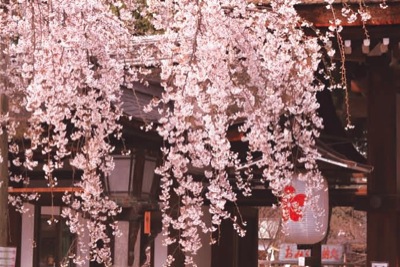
x,y
223,63
228,63
351,14
67,65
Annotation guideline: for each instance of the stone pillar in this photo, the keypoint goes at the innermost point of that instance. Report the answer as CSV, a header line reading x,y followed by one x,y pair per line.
x,y
383,216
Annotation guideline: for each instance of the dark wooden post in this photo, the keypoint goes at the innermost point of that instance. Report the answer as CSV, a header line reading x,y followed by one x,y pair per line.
x,y
383,217
233,250
315,259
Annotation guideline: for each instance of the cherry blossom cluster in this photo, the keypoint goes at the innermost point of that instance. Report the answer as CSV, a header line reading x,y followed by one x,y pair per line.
x,y
64,68
228,63
223,63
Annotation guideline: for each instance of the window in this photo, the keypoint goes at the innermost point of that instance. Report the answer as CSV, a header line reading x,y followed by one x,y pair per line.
x,y
55,242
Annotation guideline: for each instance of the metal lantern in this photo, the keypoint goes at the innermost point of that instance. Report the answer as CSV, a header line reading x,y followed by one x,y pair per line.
x,y
132,185
305,216
132,182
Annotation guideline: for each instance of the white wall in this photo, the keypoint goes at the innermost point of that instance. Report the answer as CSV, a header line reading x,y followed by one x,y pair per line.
x,y
50,210
121,246
160,251
85,240
27,236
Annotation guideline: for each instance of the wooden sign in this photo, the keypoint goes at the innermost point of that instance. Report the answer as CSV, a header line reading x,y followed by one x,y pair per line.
x,y
330,254
147,222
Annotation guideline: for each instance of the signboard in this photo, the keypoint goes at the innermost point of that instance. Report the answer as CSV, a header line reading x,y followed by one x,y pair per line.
x,y
147,222
330,254
289,253
379,264
8,256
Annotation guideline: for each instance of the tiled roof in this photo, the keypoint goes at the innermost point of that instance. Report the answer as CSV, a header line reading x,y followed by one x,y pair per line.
x,y
135,100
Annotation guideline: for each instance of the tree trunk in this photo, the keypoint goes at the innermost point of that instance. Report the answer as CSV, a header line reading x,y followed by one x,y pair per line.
x,y
3,150
3,177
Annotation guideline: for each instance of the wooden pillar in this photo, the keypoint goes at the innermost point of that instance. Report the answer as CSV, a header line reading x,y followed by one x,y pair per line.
x,y
4,61
15,233
383,216
233,250
315,259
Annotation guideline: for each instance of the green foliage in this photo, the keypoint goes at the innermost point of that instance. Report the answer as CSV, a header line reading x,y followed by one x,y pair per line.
x,y
143,25
141,20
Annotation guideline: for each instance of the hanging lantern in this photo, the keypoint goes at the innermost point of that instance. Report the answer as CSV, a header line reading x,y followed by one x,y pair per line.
x,y
304,214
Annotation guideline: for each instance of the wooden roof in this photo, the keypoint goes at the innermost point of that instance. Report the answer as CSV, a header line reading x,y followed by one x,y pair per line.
x,y
320,15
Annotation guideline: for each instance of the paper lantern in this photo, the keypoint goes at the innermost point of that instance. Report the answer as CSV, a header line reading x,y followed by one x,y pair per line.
x,y
304,216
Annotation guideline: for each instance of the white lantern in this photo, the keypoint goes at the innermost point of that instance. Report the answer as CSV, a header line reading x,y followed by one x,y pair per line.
x,y
305,213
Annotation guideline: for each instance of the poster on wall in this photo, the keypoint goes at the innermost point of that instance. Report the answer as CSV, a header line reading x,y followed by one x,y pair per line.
x,y
330,254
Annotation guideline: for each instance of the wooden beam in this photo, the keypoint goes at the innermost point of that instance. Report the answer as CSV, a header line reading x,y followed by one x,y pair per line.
x,y
320,15
44,189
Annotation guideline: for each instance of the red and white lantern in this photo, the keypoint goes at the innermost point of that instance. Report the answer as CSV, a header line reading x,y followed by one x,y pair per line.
x,y
305,212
